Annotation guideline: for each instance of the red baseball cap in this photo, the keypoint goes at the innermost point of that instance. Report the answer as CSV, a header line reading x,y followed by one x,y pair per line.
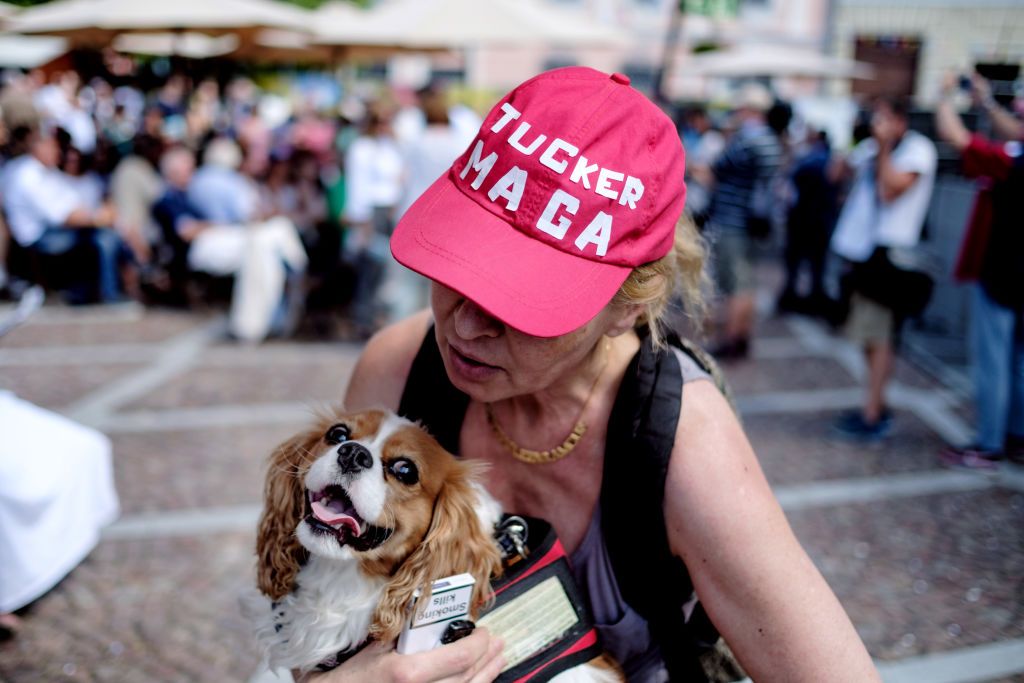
x,y
574,179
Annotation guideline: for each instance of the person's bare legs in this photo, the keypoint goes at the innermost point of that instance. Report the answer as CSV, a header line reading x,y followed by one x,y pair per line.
x,y
880,357
739,322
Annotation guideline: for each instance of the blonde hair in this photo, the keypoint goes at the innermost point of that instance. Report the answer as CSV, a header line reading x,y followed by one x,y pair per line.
x,y
655,286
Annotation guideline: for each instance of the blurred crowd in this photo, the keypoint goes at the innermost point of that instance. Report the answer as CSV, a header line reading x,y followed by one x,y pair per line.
x,y
196,190
851,224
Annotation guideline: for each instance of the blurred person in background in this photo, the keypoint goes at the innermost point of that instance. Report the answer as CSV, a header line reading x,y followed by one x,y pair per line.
x,y
704,144
410,120
264,253
16,103
809,224
120,130
311,132
135,185
152,124
45,215
742,176
992,255
204,112
880,223
81,179
292,188
277,191
60,105
427,157
255,139
310,208
374,171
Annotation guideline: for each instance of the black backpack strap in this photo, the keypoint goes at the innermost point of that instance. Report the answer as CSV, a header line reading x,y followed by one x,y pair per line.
x,y
653,581
430,398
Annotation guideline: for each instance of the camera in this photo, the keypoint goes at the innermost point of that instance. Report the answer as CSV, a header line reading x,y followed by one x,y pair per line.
x,y
965,83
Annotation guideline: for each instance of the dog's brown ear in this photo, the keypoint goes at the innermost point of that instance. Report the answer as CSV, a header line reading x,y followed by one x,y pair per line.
x,y
279,553
456,542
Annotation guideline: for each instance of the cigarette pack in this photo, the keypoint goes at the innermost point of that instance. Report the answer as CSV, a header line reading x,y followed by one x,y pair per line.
x,y
450,599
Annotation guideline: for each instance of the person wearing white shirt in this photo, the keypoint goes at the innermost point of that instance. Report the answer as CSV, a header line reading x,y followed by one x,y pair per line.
x,y
46,215
231,237
427,157
882,218
374,170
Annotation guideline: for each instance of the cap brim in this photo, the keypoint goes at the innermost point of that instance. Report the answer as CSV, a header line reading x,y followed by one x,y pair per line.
x,y
525,283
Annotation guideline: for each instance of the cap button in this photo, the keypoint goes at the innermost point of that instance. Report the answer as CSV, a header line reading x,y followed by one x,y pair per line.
x,y
621,78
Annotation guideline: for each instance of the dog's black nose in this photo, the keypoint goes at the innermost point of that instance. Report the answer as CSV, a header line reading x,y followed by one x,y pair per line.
x,y
353,457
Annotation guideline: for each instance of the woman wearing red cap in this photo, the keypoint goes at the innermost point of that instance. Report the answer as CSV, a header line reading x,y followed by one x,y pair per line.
x,y
553,249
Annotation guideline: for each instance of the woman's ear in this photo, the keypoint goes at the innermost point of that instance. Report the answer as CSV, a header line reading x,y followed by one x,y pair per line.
x,y
279,555
456,543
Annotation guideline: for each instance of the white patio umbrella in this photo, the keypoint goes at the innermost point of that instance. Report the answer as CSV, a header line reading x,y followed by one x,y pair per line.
x,y
441,24
266,46
753,60
187,44
28,52
96,23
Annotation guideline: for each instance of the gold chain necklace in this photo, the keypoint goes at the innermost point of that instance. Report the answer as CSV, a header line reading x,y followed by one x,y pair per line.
x,y
555,454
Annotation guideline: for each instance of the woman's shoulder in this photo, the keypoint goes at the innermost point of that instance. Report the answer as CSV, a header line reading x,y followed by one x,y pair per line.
x,y
379,376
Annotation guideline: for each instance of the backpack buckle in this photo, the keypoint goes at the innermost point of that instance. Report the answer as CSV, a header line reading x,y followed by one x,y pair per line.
x,y
511,535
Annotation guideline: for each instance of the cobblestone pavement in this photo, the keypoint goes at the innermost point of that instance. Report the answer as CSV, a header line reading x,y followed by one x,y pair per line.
x,y
928,562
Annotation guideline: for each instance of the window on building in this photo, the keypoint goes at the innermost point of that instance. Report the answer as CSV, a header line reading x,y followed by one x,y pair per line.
x,y
895,61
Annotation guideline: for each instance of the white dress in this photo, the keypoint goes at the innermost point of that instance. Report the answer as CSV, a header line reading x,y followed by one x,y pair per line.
x,y
56,493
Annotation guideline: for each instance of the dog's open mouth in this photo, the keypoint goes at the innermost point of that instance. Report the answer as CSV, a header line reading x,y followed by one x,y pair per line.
x,y
333,507
330,510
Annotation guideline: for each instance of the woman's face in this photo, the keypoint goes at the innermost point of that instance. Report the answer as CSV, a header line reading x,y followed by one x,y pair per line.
x,y
491,361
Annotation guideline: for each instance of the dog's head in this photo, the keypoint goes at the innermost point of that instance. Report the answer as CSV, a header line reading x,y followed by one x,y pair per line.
x,y
374,488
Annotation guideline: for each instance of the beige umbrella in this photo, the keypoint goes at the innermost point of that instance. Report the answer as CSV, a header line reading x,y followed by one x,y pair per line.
x,y
268,46
187,44
29,52
95,23
754,60
440,24
273,46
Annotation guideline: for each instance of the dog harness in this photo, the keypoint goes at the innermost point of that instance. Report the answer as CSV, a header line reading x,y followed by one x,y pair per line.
x,y
653,582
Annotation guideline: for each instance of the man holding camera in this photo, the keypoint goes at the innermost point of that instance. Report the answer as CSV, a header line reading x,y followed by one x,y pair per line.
x,y
992,255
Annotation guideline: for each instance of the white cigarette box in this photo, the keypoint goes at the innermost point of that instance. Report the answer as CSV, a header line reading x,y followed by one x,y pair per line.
x,y
450,599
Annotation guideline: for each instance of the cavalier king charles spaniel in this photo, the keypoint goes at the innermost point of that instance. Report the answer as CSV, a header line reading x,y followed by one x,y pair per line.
x,y
360,511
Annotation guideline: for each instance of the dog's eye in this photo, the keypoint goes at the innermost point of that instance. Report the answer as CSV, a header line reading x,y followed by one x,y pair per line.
x,y
405,471
337,433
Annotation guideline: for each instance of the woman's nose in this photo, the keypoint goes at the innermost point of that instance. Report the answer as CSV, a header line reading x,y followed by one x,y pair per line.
x,y
472,322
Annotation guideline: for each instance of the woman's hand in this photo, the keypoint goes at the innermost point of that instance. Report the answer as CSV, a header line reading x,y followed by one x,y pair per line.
x,y
476,658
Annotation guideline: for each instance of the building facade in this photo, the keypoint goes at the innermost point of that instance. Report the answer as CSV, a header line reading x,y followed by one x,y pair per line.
x,y
913,43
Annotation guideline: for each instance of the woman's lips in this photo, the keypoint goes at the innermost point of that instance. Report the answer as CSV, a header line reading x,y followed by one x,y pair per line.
x,y
471,368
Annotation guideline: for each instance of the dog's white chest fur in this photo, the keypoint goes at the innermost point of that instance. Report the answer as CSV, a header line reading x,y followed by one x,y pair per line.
x,y
329,612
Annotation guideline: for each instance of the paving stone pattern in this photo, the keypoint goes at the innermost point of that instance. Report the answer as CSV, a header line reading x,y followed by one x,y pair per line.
x,y
918,573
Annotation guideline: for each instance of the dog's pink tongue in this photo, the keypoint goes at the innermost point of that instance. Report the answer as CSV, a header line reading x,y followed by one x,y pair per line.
x,y
335,519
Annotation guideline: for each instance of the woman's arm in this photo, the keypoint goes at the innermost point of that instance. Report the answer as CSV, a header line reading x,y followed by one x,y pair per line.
x,y
754,579
379,376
